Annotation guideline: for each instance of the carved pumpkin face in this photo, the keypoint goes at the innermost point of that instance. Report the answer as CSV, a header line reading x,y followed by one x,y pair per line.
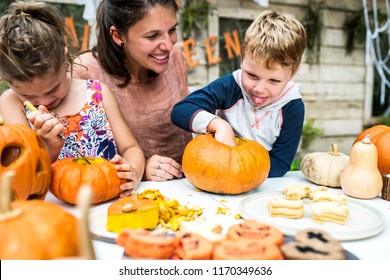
x,y
218,168
24,152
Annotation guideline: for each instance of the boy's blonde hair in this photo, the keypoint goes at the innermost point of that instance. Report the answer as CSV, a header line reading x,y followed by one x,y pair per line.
x,y
273,38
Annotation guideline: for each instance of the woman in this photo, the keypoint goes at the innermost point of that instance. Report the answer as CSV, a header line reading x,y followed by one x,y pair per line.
x,y
137,57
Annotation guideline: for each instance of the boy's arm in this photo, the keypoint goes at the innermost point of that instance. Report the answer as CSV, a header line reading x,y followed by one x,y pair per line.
x,y
285,147
195,112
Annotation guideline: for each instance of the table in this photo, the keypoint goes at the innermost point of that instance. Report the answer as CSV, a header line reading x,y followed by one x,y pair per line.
x,y
372,248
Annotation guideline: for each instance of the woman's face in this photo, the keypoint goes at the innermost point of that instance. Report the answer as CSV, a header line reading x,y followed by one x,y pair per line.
x,y
149,42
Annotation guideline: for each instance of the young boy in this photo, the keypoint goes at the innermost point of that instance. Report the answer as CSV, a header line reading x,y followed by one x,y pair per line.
x,y
259,101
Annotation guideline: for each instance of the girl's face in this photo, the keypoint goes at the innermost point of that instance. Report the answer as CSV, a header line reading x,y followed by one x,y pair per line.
x,y
48,90
263,85
149,42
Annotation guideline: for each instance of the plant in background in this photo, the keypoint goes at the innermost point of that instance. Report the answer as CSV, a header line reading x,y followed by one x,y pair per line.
x,y
3,86
384,120
313,26
194,17
309,133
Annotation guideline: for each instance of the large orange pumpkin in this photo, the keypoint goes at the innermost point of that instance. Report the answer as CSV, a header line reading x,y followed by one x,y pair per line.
x,y
69,174
23,151
380,137
218,168
35,229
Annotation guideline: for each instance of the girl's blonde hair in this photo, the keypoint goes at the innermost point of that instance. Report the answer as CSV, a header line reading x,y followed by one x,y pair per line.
x,y
273,38
32,42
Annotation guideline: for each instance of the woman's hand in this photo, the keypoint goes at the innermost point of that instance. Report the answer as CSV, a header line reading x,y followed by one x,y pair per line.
x,y
126,172
159,168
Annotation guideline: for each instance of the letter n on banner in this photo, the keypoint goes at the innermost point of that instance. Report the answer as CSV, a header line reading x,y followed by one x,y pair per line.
x,y
230,44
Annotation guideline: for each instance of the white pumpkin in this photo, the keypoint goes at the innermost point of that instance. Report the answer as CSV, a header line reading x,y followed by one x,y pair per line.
x,y
324,168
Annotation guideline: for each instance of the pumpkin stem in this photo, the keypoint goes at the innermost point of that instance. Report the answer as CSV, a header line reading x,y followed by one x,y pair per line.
x,y
84,200
5,199
335,150
366,139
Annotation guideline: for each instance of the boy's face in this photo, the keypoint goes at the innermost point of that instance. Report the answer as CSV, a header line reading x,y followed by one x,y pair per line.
x,y
263,85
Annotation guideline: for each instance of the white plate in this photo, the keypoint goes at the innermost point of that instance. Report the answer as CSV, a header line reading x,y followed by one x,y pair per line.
x,y
98,224
364,221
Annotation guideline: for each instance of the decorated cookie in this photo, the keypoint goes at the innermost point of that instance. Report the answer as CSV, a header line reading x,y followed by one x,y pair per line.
x,y
250,229
246,249
192,246
144,244
313,244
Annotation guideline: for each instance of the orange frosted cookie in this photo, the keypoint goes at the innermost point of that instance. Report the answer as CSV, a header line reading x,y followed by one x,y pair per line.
x,y
246,249
144,244
192,246
250,229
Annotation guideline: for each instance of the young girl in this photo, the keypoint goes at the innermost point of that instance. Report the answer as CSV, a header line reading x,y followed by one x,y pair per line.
x,y
35,62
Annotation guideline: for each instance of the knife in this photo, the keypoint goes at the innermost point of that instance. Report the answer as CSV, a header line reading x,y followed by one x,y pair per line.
x,y
32,108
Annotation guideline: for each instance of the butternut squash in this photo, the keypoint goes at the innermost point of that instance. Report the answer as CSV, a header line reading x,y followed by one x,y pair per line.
x,y
361,178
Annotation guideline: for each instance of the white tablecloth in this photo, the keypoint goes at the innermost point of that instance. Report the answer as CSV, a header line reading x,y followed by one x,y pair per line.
x,y
372,248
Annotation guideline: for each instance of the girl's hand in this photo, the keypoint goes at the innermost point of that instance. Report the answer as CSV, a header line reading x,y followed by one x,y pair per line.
x,y
159,168
125,172
46,126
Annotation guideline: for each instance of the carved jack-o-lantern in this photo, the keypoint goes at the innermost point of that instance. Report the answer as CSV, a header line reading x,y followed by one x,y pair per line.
x,y
24,152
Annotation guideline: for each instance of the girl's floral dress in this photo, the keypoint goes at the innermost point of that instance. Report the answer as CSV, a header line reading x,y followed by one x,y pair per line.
x,y
88,132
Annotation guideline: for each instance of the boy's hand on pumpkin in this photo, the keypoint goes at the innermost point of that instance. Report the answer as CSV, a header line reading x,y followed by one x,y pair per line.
x,y
223,132
159,168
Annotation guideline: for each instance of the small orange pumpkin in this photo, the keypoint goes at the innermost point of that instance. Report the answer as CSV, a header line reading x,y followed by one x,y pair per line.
x,y
380,137
218,168
23,151
69,174
35,229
